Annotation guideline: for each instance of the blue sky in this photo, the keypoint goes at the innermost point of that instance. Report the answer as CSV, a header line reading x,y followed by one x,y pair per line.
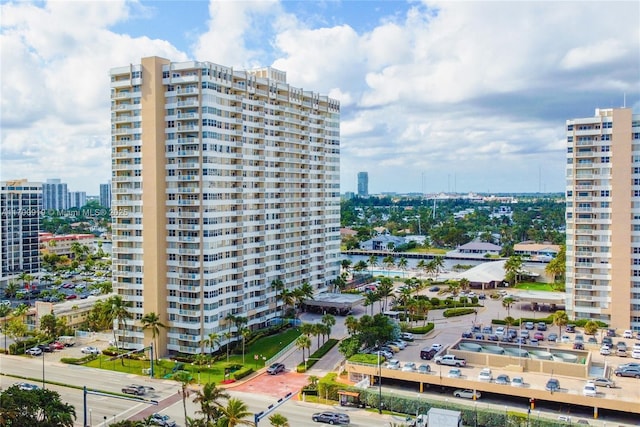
x,y
435,96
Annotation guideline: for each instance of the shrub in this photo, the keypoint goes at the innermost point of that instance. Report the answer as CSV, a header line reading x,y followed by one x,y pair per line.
x,y
422,329
238,375
453,312
369,359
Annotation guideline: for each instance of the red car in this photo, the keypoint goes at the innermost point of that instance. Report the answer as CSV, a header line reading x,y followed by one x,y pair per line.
x,y
56,345
72,296
539,336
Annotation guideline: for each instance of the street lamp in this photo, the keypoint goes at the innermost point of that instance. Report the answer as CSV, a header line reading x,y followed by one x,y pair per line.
x,y
379,385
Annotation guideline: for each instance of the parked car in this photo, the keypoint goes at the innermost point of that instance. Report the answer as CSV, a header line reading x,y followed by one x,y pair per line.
x,y
621,352
542,326
517,382
409,367
578,346
45,347
605,350
275,368
635,354
503,379
603,382
34,351
487,330
407,336
539,336
485,375
552,385
427,353
424,368
629,371
621,345
592,340
571,328
553,337
434,289
529,326
500,331
399,343
565,339
89,350
328,417
627,334
493,338
57,345
467,394
454,373
393,364
467,334
611,332
589,389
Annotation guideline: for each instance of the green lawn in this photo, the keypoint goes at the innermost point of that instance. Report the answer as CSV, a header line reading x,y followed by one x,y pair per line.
x,y
265,347
535,286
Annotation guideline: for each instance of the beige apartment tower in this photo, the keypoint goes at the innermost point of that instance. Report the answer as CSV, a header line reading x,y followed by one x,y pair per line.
x,y
223,181
603,218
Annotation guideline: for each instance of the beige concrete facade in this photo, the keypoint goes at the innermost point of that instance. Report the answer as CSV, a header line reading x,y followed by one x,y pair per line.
x,y
603,218
223,181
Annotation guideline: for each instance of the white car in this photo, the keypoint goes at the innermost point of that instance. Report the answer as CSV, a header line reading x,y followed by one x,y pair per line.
x,y
605,350
35,351
89,350
485,375
409,367
436,347
565,339
399,343
393,364
454,373
589,390
517,382
635,354
627,334
467,394
500,331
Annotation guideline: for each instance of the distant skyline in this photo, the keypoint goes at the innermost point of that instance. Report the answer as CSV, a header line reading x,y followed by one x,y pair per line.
x,y
436,96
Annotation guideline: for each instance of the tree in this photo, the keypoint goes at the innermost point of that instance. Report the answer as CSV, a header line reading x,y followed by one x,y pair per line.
x,y
402,263
509,321
184,378
212,341
513,269
385,290
373,262
507,302
118,311
351,323
152,321
228,336
303,342
591,327
329,321
279,420
16,329
40,407
246,333
235,412
49,325
560,319
11,289
389,262
557,266
209,399
370,299
278,286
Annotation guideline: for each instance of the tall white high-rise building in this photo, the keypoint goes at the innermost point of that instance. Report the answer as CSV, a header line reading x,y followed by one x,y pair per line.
x,y
77,199
55,195
223,181
603,218
20,215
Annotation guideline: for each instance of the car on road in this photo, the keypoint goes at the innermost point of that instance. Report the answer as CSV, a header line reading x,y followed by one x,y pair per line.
x,y
485,375
27,386
517,382
503,379
333,418
589,389
409,367
467,394
437,347
553,337
552,385
454,373
89,350
34,351
424,368
134,389
629,371
603,382
275,369
427,353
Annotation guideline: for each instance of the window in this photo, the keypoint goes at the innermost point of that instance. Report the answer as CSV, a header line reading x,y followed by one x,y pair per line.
x,y
570,127
605,193
606,159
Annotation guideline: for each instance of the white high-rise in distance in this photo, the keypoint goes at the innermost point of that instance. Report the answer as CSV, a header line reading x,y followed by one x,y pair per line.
x,y
603,218
223,181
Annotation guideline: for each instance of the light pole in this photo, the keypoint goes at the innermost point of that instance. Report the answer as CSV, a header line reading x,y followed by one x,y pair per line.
x,y
43,386
379,385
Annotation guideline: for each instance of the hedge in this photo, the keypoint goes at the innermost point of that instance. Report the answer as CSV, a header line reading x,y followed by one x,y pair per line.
x,y
238,375
453,312
422,329
313,358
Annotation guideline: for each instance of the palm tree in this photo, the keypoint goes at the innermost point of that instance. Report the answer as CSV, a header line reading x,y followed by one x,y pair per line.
x,y
11,289
509,321
279,420
230,319
329,321
385,290
402,263
389,262
246,333
560,319
507,303
513,268
118,312
184,378
228,336
351,323
235,412
278,286
152,321
4,313
373,262
212,341
208,398
346,265
421,266
438,263
302,342
370,299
